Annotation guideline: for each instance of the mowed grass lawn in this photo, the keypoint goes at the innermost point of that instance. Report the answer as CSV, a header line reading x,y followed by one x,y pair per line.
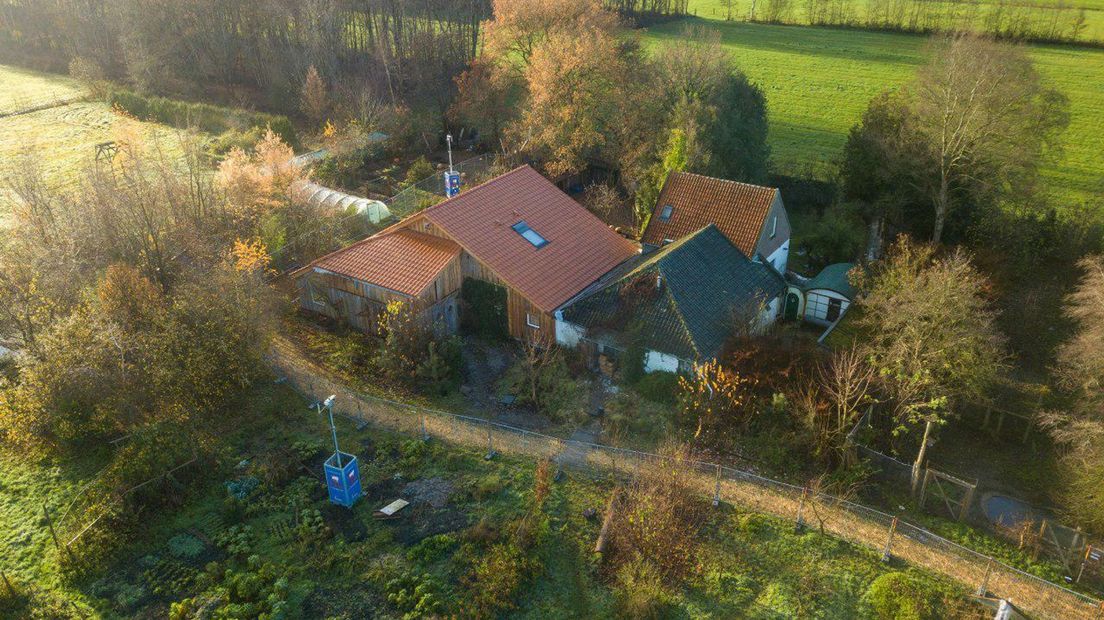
x,y
62,139
21,89
818,82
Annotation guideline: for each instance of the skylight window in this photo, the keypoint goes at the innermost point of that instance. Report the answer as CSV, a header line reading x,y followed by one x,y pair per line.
x,y
665,213
529,234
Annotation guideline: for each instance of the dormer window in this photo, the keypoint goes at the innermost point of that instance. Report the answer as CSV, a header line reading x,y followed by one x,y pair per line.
x,y
529,234
665,213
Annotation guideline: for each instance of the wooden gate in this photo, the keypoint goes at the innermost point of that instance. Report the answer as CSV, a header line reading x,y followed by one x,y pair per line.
x,y
949,494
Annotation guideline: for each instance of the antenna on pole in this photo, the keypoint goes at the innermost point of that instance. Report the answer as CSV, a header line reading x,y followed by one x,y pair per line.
x,y
329,403
452,177
448,139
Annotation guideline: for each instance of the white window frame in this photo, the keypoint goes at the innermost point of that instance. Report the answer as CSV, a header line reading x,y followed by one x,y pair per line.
x,y
530,321
774,227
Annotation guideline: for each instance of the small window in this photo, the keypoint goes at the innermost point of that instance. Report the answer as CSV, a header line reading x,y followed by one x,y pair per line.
x,y
835,306
774,227
316,298
532,321
529,234
665,213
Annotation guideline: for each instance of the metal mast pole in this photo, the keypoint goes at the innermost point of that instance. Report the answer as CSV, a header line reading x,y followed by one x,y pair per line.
x,y
448,138
333,429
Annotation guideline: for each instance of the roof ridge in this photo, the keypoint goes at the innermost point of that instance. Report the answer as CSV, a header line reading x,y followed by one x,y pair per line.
x,y
419,236
733,181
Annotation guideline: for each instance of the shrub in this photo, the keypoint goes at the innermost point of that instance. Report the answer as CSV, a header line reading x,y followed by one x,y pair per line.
x,y
418,595
420,169
203,116
900,596
658,517
431,549
414,453
659,387
244,139
541,379
640,590
439,373
627,414
495,579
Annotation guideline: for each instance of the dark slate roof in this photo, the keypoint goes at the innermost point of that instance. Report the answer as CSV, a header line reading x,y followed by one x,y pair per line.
x,y
834,278
701,279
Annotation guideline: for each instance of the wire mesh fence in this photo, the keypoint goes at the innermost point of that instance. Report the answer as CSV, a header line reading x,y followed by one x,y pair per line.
x,y
855,523
431,190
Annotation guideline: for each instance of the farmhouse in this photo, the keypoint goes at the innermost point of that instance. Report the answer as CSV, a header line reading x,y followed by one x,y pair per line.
x,y
517,232
752,217
680,303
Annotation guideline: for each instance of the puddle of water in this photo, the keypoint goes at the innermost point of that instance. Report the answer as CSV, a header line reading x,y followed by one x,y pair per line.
x,y
1007,511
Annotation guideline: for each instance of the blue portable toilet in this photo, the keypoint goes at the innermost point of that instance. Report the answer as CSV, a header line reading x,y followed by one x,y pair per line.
x,y
452,183
342,469
343,479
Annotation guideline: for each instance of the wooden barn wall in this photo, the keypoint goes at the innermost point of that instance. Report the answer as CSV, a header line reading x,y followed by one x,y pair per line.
x,y
350,300
517,304
445,284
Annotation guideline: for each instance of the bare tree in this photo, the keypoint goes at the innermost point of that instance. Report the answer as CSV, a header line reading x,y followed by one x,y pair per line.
x,y
981,119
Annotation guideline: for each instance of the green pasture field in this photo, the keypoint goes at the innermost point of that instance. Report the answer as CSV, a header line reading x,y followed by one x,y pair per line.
x,y
818,82
1043,11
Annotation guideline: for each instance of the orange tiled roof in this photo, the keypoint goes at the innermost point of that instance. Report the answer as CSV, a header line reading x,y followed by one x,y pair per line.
x,y
579,250
737,209
401,260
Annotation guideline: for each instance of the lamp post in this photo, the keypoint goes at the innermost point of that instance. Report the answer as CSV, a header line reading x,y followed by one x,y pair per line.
x,y
329,403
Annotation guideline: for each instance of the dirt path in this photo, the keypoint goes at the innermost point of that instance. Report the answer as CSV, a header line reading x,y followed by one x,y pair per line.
x,y
857,524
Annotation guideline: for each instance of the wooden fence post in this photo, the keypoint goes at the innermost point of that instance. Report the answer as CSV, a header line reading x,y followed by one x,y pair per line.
x,y
1084,559
889,540
966,503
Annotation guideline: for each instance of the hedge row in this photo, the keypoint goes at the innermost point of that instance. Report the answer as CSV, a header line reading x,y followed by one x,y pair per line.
x,y
209,118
